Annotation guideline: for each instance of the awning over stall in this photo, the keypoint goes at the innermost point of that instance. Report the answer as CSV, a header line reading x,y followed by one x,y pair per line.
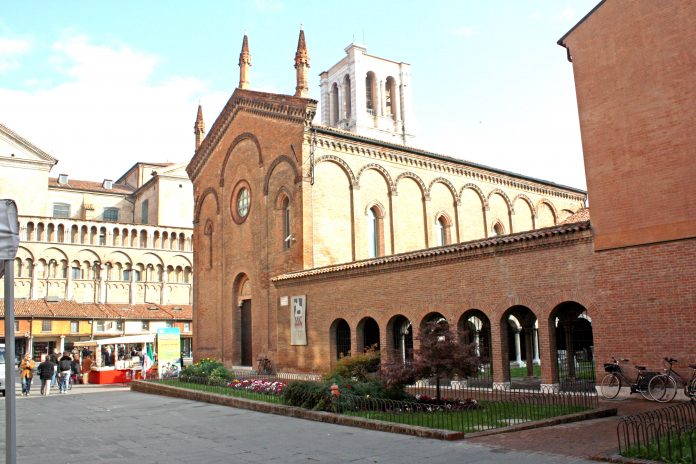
x,y
128,339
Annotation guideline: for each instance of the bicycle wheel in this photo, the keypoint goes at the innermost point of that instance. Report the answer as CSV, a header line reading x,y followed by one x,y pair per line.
x,y
662,388
610,386
690,388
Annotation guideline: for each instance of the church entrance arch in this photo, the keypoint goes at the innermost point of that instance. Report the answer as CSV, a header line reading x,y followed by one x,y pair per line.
x,y
243,337
572,338
518,328
477,329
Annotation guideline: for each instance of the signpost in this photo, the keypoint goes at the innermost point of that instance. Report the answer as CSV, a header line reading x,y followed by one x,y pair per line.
x,y
9,241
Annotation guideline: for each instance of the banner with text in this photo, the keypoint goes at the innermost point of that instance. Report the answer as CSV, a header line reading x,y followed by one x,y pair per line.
x,y
298,320
168,352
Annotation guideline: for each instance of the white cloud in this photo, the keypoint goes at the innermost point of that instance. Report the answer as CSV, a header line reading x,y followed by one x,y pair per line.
x,y
464,31
10,50
109,112
568,14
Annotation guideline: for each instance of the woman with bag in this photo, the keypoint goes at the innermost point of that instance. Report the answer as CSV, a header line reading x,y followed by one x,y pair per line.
x,y
26,374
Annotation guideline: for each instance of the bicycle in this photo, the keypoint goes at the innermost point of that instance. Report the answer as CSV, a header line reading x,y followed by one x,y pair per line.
x,y
664,386
615,378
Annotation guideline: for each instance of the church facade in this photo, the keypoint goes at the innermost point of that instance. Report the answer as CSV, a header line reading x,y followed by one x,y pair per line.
x,y
277,194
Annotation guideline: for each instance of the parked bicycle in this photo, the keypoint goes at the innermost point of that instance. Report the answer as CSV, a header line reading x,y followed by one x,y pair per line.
x,y
616,378
664,387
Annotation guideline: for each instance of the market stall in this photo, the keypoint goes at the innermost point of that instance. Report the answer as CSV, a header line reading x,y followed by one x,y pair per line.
x,y
113,358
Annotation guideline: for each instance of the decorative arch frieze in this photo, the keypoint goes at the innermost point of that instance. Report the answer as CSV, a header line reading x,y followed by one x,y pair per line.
x,y
447,184
550,205
381,170
201,199
240,138
523,197
411,175
342,164
281,159
477,189
511,208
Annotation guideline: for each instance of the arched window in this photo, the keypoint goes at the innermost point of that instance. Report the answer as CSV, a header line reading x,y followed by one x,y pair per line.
x,y
287,235
370,93
334,105
208,233
374,232
390,97
498,229
442,234
346,96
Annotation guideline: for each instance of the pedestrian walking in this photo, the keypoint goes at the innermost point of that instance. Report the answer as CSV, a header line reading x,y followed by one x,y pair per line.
x,y
65,368
46,371
54,360
75,369
26,374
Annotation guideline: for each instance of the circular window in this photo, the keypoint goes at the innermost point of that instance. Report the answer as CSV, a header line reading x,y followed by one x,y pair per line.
x,y
243,202
240,203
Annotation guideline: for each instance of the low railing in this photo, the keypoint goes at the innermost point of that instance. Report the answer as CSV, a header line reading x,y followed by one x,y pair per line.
x,y
667,434
459,408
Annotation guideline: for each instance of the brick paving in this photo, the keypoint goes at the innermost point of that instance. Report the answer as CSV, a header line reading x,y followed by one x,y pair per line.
x,y
589,439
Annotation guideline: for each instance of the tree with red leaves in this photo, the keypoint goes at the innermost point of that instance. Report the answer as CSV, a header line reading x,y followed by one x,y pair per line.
x,y
443,352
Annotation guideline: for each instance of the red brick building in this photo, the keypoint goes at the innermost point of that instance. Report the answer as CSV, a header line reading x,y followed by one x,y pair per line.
x,y
622,284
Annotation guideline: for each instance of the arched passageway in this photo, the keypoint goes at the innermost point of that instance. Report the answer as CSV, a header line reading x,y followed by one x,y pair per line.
x,y
340,339
520,347
368,334
573,341
401,339
477,329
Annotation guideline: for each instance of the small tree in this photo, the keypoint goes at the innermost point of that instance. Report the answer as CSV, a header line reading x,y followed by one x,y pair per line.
x,y
443,352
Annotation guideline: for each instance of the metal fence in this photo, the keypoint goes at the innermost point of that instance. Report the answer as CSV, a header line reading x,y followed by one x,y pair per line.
x,y
459,407
667,434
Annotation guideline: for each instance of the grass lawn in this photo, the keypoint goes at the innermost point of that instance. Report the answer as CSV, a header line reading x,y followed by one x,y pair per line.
x,y
490,415
681,447
521,372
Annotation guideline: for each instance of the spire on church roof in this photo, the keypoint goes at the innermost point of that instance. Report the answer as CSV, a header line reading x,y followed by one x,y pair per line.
x,y
244,64
199,127
301,65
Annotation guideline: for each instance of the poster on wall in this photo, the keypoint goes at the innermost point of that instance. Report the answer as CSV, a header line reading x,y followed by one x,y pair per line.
x,y
168,352
298,320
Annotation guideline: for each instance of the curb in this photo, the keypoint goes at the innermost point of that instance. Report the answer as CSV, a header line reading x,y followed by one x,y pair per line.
x,y
371,424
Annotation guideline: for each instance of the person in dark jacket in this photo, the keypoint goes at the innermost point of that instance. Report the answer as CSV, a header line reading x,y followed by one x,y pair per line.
x,y
75,368
64,371
46,370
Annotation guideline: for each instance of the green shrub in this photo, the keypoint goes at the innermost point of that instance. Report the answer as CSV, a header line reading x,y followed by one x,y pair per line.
x,y
308,395
361,367
203,369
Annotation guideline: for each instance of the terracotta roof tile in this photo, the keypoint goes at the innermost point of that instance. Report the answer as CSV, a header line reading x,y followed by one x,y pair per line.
x,y
72,310
581,215
74,184
444,250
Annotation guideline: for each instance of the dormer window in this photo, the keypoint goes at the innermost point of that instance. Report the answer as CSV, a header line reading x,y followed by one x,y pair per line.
x,y
108,184
62,179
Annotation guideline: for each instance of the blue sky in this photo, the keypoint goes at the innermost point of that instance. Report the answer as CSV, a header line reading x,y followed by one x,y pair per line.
x,y
102,85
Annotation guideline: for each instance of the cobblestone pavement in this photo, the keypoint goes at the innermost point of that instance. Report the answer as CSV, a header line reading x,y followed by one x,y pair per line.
x,y
111,425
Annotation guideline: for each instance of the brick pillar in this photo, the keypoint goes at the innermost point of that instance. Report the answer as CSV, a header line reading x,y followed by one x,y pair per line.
x,y
499,357
547,353
529,349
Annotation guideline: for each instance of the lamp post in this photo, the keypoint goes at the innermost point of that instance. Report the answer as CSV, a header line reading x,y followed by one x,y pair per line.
x,y
9,241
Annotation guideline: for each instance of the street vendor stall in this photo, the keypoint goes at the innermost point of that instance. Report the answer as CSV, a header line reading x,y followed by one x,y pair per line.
x,y
112,361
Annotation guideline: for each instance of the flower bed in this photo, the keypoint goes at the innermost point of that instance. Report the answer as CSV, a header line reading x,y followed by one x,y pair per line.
x,y
258,386
447,404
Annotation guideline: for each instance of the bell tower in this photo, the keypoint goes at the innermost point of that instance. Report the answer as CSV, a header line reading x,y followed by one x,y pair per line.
x,y
368,95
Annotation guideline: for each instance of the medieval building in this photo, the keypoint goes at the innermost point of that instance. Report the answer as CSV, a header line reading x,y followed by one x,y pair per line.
x,y
314,241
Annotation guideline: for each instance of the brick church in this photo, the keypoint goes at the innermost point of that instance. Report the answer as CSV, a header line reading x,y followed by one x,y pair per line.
x,y
313,241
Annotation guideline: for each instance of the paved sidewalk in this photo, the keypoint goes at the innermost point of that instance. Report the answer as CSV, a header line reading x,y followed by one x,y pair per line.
x,y
589,439
124,426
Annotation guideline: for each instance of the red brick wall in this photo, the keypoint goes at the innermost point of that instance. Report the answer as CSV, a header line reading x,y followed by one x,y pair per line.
x,y
636,310
634,69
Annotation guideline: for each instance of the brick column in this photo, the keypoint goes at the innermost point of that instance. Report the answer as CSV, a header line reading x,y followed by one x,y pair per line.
x,y
499,358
